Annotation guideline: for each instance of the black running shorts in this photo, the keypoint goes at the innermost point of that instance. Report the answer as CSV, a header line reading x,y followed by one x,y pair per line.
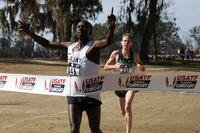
x,y
84,102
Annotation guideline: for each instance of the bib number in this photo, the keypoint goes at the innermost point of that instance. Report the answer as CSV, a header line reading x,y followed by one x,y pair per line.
x,y
73,69
127,70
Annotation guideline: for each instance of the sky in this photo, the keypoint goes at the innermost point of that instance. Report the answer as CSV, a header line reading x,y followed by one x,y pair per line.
x,y
187,13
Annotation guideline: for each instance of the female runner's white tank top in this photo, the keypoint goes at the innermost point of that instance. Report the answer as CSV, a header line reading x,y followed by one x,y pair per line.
x,y
79,65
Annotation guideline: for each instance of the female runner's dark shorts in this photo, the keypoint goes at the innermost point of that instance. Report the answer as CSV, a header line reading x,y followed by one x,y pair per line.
x,y
120,93
84,102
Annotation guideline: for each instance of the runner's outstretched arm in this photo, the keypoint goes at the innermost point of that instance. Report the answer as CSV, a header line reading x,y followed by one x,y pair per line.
x,y
42,41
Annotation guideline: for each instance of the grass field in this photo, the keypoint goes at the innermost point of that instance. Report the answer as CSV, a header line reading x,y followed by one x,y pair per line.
x,y
153,112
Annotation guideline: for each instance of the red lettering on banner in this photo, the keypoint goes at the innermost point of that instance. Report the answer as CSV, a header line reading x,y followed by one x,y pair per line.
x,y
140,77
93,80
167,81
58,81
28,79
187,77
3,77
76,86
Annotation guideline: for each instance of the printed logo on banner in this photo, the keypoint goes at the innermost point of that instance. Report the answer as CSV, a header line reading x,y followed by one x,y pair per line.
x,y
3,81
182,82
55,85
25,83
90,84
136,81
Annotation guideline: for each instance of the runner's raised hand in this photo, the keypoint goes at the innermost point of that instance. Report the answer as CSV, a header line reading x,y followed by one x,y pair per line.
x,y
112,19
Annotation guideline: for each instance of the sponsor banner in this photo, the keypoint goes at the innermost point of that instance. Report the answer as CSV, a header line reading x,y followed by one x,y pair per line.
x,y
183,82
82,86
38,84
89,85
3,80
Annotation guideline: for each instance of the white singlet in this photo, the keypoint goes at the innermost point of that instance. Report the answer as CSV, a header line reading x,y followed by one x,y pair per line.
x,y
79,65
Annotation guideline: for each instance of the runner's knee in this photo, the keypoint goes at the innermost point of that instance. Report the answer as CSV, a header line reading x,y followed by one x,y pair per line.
x,y
127,108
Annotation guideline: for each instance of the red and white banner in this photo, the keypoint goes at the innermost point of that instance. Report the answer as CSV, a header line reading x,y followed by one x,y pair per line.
x,y
79,86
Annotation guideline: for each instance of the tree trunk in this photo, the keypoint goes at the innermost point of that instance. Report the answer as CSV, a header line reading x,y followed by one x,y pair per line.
x,y
155,44
145,45
148,32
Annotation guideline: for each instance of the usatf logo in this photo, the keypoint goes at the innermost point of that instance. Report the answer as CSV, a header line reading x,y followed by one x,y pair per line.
x,y
2,81
55,85
136,81
90,84
25,83
182,82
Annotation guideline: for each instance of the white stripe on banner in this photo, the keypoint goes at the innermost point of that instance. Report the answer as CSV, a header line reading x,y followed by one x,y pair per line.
x,y
81,86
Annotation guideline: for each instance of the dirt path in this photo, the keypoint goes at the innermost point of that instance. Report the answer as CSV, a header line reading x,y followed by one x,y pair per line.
x,y
153,112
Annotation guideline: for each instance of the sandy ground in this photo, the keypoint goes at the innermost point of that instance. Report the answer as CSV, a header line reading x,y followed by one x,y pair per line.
x,y
153,112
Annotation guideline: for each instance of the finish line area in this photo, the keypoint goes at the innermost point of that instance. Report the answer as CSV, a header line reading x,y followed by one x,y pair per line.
x,y
83,86
24,112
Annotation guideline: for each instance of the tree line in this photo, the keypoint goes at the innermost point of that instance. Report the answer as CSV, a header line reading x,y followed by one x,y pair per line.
x,y
155,31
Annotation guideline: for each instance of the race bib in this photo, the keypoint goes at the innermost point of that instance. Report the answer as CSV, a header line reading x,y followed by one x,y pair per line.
x,y
126,70
73,69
